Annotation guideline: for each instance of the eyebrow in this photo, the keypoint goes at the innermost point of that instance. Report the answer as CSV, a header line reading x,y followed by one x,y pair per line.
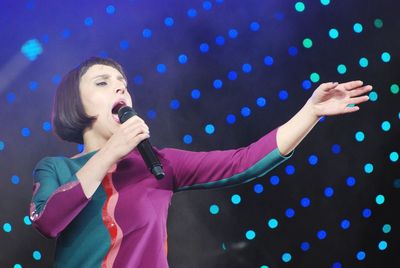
x,y
107,76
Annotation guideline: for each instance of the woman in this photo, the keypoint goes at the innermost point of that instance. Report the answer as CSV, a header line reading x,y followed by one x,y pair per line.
x,y
104,206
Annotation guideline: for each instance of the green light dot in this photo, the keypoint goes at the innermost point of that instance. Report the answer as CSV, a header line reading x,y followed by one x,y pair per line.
x,y
363,62
307,43
373,96
314,77
357,27
385,57
386,228
378,23
341,69
382,245
394,88
385,126
325,2
394,156
299,6
380,199
333,33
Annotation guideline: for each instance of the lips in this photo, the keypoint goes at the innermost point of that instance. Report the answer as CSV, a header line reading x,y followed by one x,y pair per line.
x,y
115,108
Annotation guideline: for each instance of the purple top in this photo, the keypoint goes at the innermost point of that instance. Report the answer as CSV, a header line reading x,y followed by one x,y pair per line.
x,y
124,223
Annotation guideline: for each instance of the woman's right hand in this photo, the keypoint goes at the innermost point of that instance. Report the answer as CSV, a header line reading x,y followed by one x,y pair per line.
x,y
127,137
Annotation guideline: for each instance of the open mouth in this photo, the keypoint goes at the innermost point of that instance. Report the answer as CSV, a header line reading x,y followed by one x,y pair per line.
x,y
115,109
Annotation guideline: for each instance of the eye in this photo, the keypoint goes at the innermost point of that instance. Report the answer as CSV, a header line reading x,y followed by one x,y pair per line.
x,y
101,83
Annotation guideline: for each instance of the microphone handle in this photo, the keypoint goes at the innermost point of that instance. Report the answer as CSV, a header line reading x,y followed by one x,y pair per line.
x,y
151,160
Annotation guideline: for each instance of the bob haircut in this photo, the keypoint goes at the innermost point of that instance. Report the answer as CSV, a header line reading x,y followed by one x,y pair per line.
x,y
69,117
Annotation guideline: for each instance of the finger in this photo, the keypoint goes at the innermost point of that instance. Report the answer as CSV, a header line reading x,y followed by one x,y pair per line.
x,y
360,91
329,86
351,109
352,84
359,100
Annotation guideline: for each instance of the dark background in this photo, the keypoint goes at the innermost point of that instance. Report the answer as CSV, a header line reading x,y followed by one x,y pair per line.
x,y
42,40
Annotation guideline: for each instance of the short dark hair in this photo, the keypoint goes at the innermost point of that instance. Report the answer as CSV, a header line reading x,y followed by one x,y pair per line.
x,y
69,117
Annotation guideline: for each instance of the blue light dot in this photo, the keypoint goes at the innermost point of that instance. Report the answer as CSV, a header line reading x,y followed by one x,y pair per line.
x,y
56,79
366,213
147,33
305,246
235,199
232,75
254,26
380,199
66,33
138,79
80,148
182,59
350,181
37,255
321,234
124,44
46,126
217,84
214,209
385,57
283,95
360,255
33,85
385,125
11,97
373,96
345,224
273,223
268,60
187,139
386,228
290,170
336,149
207,5
250,234
313,160
363,62
103,54
169,21
394,156
174,104
360,136
258,188
274,180
290,213
88,21
329,192
382,245
25,132
233,33
261,102
220,40
151,114
231,119
7,227
322,119
245,111
306,84
337,265
333,33
27,221
2,145
286,257
192,12
279,16
161,68
293,51
246,68
357,27
305,202
15,179
196,94
368,168
204,47
110,9
209,129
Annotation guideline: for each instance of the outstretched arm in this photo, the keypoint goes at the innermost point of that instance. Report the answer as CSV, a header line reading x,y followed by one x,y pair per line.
x,y
327,99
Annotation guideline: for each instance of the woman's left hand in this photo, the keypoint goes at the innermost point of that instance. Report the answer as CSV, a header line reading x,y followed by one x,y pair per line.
x,y
334,98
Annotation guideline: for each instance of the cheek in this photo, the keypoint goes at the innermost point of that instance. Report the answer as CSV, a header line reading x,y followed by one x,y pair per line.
x,y
95,105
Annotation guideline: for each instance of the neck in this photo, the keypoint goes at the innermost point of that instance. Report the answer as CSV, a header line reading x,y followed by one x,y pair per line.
x,y
92,142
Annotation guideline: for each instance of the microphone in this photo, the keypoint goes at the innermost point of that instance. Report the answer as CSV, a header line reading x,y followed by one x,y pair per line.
x,y
144,147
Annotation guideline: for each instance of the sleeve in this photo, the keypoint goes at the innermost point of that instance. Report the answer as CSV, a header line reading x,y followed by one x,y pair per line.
x,y
54,206
214,169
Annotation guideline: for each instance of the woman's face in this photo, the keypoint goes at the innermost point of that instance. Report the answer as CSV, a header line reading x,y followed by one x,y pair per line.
x,y
103,89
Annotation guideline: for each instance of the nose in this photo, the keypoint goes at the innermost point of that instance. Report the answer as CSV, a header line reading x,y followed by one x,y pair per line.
x,y
120,90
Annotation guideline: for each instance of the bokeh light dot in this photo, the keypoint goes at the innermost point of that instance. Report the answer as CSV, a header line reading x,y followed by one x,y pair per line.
x,y
341,69
7,227
250,234
286,257
345,224
187,139
25,132
382,245
236,199
231,119
333,33
209,129
363,62
394,88
321,234
373,96
261,102
394,156
380,199
290,170
27,220
2,145
15,179
37,255
313,160
357,27
258,188
360,255
214,209
386,228
299,6
378,23
307,43
305,202
290,213
325,2
110,9
329,191
360,136
385,126
350,181
196,94
385,56
273,223
314,77
305,246
366,213
245,111
368,168
274,180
